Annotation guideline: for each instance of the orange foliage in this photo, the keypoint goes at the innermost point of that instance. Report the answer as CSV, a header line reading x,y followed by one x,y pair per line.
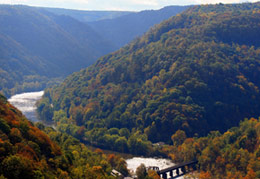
x,y
28,152
173,156
250,174
112,159
204,175
153,175
189,141
42,138
97,169
99,151
220,160
253,119
236,175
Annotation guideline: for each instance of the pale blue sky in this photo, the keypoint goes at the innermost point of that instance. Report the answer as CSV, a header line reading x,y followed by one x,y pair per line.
x,y
131,5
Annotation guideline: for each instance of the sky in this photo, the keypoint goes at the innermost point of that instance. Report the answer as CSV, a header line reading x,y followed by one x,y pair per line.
x,y
124,5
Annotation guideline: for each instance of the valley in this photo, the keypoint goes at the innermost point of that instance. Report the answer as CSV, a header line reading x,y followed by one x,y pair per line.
x,y
41,46
174,85
26,103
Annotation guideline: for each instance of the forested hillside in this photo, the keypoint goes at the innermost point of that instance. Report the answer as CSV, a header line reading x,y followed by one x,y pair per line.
x,y
234,154
28,152
196,72
25,150
37,46
42,45
124,29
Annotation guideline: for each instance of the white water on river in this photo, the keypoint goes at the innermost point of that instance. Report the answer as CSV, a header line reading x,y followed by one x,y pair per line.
x,y
135,162
26,102
162,163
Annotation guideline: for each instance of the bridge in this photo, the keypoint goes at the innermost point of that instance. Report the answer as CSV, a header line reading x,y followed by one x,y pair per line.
x,y
178,170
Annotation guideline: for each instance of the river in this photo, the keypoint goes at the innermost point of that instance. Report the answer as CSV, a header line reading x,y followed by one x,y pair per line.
x,y
26,102
162,163
135,162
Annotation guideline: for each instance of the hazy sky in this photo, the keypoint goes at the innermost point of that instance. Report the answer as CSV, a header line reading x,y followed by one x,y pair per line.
x,y
131,5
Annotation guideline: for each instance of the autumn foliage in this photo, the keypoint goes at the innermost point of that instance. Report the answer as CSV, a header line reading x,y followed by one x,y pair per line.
x,y
28,152
231,155
195,72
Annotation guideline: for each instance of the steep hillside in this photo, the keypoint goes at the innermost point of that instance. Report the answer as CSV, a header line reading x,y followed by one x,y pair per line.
x,y
28,152
37,43
196,72
231,155
25,150
124,29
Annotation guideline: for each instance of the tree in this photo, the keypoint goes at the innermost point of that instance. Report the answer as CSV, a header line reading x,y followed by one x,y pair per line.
x,y
141,172
178,138
4,126
16,167
153,174
121,144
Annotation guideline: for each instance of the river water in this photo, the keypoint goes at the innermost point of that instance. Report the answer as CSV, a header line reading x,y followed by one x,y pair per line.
x,y
26,102
135,162
162,163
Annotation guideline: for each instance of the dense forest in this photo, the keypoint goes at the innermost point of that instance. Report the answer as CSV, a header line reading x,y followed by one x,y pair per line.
x,y
196,72
28,152
234,154
41,46
190,83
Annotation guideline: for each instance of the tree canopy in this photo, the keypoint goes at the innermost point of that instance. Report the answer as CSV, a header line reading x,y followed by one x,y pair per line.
x,y
196,72
36,151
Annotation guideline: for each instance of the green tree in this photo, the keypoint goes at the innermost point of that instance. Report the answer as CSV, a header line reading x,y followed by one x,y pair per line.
x,y
141,172
178,138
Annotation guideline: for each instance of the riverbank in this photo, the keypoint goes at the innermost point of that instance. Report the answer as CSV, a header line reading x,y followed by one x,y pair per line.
x,y
26,102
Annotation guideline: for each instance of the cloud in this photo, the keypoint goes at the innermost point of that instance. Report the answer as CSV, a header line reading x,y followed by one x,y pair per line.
x,y
47,3
145,2
74,1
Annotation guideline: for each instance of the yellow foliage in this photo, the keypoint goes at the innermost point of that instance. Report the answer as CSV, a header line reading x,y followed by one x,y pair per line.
x,y
153,175
173,156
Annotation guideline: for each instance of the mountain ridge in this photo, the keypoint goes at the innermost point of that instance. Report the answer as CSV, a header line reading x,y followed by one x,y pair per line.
x,y
46,47
117,29
87,15
50,46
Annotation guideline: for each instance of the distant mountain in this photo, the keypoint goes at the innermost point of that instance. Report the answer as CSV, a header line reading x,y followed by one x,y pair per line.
x,y
198,72
37,45
120,27
124,29
87,16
